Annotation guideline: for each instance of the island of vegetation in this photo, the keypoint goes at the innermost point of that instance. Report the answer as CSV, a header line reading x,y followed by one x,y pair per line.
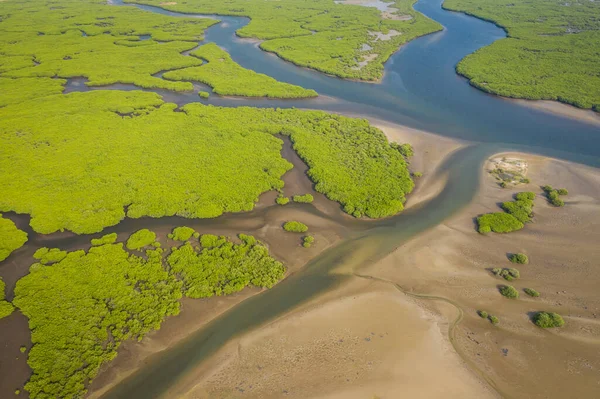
x,y
553,195
183,233
550,53
227,78
517,213
509,291
548,320
348,41
307,241
11,238
105,239
221,267
519,258
295,227
304,199
164,163
108,295
140,239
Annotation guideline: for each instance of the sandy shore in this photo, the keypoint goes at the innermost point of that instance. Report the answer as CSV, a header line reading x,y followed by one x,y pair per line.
x,y
555,107
454,261
365,340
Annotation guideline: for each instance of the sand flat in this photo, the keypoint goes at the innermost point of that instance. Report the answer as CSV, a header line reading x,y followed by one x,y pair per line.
x,y
454,261
365,340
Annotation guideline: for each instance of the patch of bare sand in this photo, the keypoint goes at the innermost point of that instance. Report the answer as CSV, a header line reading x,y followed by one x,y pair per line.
x,y
558,108
454,261
364,340
384,36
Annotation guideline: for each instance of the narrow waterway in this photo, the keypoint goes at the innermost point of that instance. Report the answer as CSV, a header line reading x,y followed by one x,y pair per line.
x,y
420,90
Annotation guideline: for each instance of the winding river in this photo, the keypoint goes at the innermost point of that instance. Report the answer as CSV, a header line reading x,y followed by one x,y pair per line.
x,y
420,90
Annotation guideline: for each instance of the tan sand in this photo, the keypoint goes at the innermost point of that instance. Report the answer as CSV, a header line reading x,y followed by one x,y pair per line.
x,y
558,108
454,261
385,36
362,341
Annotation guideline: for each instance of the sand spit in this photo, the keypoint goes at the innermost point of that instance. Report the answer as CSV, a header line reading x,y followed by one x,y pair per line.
x,y
346,345
455,262
558,108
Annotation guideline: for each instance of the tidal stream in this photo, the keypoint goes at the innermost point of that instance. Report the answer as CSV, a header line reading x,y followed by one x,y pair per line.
x,y
420,90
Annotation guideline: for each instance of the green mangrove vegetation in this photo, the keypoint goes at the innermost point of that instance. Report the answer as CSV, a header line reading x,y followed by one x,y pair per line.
x,y
519,258
134,138
507,274
182,233
303,199
227,78
498,222
105,239
281,200
106,296
295,227
518,212
553,195
140,239
405,149
509,291
11,238
348,41
6,308
48,256
550,53
89,38
548,320
307,241
531,292
221,267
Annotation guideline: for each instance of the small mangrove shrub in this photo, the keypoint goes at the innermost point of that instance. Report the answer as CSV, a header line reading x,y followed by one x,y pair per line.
x,y
531,292
307,241
483,314
140,239
553,195
182,233
281,200
507,274
295,227
519,258
498,222
548,320
105,239
493,319
509,291
304,199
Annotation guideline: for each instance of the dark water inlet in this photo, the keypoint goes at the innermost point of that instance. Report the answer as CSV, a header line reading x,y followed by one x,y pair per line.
x,y
420,90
